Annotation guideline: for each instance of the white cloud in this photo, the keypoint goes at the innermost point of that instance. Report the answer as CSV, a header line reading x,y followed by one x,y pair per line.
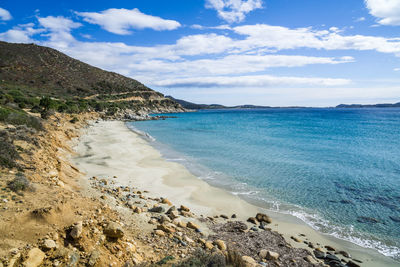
x,y
5,14
249,81
280,38
233,10
396,69
387,11
360,19
120,21
20,34
59,30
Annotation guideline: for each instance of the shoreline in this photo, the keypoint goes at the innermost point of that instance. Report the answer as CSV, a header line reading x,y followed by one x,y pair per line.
x,y
111,148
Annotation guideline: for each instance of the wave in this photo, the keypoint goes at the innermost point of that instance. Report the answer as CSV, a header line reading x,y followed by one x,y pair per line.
x,y
145,135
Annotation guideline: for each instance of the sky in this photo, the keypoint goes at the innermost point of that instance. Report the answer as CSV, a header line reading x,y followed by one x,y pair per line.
x,y
231,52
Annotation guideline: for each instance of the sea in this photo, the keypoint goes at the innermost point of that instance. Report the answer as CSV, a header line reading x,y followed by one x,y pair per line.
x,y
338,170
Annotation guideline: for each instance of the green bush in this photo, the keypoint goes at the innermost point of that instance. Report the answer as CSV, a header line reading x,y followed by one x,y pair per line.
x,y
20,183
19,117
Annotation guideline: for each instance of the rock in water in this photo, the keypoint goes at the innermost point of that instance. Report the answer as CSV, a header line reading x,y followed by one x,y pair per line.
x,y
114,230
35,258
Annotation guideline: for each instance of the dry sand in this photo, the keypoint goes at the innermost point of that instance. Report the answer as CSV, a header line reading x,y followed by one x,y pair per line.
x,y
109,148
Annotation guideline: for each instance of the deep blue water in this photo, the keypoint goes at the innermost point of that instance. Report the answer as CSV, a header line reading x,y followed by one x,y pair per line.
x,y
336,169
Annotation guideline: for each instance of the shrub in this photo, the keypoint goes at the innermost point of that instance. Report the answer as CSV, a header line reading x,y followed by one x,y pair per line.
x,y
74,120
20,183
200,258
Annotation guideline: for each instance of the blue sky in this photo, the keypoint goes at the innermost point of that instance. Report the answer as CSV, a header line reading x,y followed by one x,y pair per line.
x,y
264,52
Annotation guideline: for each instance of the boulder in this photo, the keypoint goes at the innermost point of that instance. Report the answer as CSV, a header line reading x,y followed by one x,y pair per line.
x,y
76,231
113,230
261,217
35,258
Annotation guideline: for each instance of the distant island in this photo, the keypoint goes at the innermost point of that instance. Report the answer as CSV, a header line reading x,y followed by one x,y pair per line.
x,y
193,106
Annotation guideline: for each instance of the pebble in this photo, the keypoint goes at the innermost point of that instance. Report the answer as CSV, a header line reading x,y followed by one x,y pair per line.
x,y
184,208
252,220
330,248
49,244
158,209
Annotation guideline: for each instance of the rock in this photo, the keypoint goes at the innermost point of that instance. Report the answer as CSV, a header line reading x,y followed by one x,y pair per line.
x,y
364,219
159,232
137,210
224,216
295,239
344,254
182,224
12,262
319,254
330,248
252,220
166,201
157,209
163,218
76,230
113,230
269,255
188,239
261,217
35,258
248,261
233,216
309,259
395,219
173,208
263,225
49,244
166,229
352,264
94,258
173,214
184,208
53,173
330,257
192,225
209,245
220,244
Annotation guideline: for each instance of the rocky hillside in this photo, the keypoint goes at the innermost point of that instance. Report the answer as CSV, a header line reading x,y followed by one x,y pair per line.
x,y
38,71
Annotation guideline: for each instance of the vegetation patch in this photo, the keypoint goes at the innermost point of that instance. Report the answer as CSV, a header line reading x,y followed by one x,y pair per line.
x,y
20,183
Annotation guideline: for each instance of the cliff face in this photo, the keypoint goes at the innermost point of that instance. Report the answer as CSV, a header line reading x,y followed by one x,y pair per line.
x,y
41,71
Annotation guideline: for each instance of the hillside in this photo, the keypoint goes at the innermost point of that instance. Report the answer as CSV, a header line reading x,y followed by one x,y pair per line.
x,y
36,71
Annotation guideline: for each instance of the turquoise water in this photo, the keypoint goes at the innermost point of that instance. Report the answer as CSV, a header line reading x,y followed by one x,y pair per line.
x,y
336,169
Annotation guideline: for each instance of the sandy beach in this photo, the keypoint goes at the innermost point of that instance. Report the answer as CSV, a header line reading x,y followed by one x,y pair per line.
x,y
109,148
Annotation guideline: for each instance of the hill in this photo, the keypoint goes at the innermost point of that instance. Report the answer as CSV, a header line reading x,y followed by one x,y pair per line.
x,y
396,105
194,106
29,72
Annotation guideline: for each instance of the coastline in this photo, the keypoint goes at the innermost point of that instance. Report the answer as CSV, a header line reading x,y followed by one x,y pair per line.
x,y
111,148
